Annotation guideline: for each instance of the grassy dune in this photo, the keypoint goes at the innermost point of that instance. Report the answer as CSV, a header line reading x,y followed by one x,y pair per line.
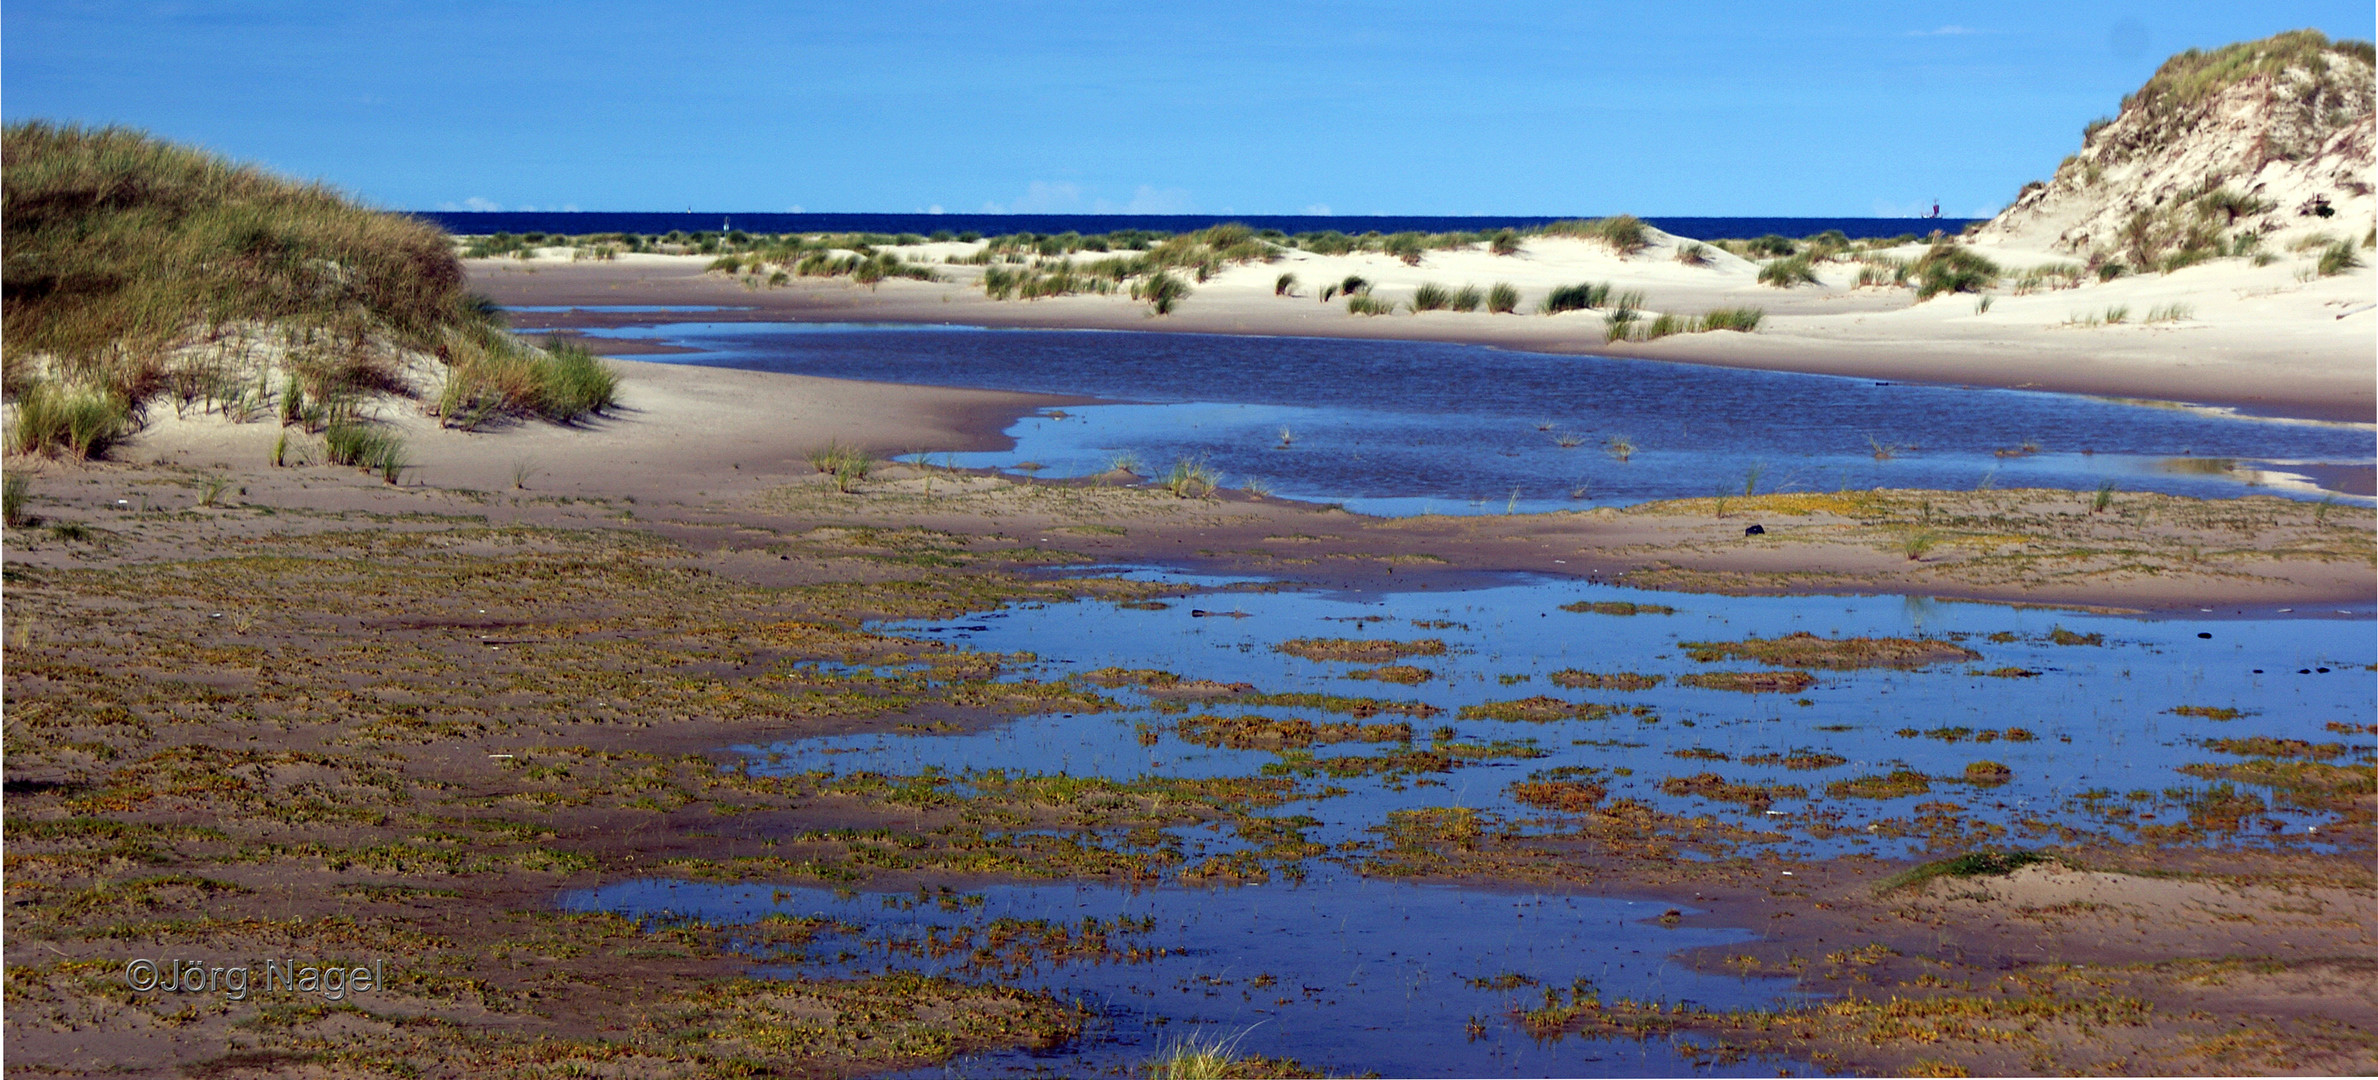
x,y
138,270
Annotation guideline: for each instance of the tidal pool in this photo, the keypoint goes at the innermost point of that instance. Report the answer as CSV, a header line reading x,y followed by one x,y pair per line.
x,y
1331,959
2091,717
1338,972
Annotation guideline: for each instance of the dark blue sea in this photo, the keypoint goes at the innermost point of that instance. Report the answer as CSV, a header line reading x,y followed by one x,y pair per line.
x,y
581,223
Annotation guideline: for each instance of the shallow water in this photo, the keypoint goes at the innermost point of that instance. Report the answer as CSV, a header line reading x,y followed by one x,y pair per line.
x,y
1411,427
2099,715
1338,972
1375,971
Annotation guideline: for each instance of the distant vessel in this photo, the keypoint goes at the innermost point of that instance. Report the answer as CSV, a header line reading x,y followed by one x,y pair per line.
x,y
1935,210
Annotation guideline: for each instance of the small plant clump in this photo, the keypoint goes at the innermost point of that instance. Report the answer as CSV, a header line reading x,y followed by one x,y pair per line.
x,y
1617,607
1806,650
1971,864
1190,478
1359,650
1575,679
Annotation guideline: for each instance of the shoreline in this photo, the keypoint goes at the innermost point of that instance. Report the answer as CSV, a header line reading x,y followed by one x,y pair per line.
x,y
723,450
1864,333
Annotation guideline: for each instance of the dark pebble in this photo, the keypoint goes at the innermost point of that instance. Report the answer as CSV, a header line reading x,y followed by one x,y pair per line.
x,y
2204,635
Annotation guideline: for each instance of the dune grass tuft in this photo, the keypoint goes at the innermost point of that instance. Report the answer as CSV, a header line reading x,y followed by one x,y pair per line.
x,y
1191,478
1578,297
81,421
1625,234
14,488
1792,270
1502,299
1950,267
1431,296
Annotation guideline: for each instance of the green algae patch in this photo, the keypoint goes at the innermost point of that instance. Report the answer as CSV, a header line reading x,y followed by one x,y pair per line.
x,y
1360,650
1988,774
1360,708
1617,607
1899,783
1750,682
1566,796
1798,760
1400,674
2267,747
2207,712
1541,709
1806,650
1717,788
1271,733
1970,864
1574,679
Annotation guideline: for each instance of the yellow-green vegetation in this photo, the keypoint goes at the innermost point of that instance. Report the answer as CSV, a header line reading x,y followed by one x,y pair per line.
x,y
1750,682
1798,760
1617,607
1709,785
1267,733
1569,796
2266,746
1575,679
1898,784
1541,709
140,271
1806,650
1400,674
1216,1057
2023,538
1360,650
409,730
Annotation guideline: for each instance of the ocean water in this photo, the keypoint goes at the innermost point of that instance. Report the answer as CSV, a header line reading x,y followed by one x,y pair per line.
x,y
1413,427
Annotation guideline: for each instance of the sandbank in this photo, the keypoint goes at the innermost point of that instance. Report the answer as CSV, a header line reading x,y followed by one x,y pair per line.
x,y
2272,340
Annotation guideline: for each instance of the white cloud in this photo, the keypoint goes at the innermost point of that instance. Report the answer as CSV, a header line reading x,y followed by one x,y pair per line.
x,y
935,209
569,207
1951,30
1150,200
474,203
794,209
1320,209
1042,197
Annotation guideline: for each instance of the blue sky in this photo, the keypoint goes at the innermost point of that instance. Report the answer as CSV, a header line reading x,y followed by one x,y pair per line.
x,y
1779,108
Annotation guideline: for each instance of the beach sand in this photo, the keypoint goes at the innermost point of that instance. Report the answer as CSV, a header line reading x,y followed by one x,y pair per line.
x,y
2271,340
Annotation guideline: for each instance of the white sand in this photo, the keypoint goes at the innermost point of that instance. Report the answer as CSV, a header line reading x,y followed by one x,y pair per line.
x,y
2274,339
